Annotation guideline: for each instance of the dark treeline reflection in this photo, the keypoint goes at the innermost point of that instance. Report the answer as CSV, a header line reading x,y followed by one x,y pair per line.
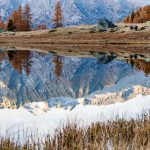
x,y
22,60
57,60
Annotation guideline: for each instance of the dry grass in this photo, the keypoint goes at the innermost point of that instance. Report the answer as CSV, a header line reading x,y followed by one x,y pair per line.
x,y
77,35
120,135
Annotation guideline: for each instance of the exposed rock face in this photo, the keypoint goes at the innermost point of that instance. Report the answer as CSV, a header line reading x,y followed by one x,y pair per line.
x,y
142,15
7,103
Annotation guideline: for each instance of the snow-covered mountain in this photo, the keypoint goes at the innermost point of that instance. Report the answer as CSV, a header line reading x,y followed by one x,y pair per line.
x,y
74,11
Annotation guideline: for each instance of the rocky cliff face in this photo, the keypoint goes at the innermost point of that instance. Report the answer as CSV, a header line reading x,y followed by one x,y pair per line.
x,y
142,15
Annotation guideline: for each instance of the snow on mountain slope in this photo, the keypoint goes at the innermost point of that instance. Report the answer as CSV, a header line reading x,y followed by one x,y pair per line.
x,y
74,11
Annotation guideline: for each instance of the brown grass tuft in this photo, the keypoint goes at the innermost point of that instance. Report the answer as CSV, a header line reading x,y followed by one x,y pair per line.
x,y
116,135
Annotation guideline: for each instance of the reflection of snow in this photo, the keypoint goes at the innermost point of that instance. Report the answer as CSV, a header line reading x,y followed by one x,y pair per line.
x,y
2,85
106,98
37,107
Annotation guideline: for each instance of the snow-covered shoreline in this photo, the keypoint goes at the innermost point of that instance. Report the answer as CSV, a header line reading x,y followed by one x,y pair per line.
x,y
46,122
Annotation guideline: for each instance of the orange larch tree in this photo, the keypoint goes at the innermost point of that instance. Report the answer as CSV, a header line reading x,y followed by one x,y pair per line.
x,y
57,18
15,19
2,24
27,17
19,24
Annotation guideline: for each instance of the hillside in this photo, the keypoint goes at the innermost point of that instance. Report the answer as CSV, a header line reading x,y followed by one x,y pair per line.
x,y
142,15
74,11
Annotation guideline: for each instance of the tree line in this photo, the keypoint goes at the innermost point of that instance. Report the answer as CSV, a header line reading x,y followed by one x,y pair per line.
x,y
22,61
142,15
22,19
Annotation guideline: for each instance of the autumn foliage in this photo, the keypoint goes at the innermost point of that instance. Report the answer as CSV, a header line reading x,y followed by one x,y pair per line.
x,y
22,19
140,64
2,24
57,18
58,65
27,18
20,60
142,15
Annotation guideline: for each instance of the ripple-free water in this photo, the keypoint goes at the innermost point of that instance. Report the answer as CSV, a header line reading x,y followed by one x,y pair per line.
x,y
33,76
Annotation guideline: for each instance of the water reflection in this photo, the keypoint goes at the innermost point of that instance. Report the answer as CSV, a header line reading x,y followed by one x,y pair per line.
x,y
140,64
34,76
20,60
57,60
104,58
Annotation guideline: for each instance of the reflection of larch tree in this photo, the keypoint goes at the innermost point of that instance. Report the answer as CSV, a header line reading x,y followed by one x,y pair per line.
x,y
58,65
140,64
26,61
20,60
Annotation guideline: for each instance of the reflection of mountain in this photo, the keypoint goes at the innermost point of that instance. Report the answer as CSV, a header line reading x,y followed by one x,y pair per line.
x,y
76,77
140,64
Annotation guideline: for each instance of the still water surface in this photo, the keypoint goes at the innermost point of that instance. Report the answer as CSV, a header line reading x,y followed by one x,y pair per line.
x,y
34,76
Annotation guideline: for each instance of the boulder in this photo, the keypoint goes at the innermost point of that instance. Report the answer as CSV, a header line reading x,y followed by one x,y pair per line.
x,y
104,24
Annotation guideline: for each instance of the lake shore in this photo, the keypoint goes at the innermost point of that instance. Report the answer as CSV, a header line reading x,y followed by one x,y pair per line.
x,y
83,35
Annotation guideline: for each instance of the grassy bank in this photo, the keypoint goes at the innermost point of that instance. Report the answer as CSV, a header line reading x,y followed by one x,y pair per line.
x,y
78,35
116,135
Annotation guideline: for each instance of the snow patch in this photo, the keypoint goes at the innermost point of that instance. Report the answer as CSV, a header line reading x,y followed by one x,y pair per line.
x,y
105,98
48,122
2,85
62,102
37,107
